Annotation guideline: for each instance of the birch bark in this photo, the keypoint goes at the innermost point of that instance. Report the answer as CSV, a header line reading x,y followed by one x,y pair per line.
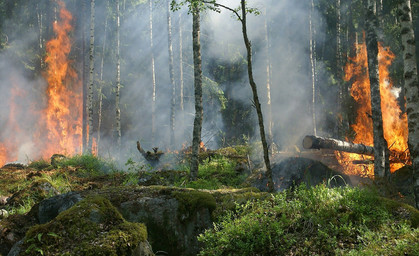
x,y
411,87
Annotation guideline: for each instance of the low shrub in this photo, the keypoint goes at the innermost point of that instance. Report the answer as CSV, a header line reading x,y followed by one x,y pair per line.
x,y
316,221
89,163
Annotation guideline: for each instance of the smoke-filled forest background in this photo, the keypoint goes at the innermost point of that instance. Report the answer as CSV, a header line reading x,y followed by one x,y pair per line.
x,y
299,48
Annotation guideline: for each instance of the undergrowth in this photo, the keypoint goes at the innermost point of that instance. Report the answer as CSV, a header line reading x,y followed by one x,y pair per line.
x,y
90,164
219,172
316,221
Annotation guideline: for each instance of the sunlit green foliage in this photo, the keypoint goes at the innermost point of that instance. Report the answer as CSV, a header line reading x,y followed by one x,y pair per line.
x,y
89,163
316,221
215,173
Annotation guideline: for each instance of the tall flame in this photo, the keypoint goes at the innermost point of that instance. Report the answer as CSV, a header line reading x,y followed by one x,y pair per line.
x,y
394,121
58,126
63,112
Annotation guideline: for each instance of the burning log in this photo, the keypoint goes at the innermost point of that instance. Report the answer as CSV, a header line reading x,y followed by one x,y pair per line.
x,y
315,142
152,157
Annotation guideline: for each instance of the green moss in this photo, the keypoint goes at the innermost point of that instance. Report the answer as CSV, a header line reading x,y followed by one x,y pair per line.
x,y
192,200
402,211
91,227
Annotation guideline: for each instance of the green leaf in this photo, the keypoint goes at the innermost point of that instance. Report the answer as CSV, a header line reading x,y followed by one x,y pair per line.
x,y
53,234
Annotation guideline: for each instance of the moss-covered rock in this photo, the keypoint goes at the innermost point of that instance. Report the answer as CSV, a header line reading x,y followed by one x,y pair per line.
x,y
402,211
91,227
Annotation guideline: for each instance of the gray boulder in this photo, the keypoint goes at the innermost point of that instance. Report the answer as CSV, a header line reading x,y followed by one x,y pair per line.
x,y
50,208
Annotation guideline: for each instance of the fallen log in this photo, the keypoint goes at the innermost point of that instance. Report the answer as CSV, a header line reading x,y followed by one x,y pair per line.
x,y
316,142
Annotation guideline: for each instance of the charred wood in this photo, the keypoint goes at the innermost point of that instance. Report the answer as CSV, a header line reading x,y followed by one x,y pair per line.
x,y
316,142
152,157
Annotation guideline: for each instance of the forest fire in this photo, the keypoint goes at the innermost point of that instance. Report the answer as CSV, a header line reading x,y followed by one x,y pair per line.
x,y
63,113
394,121
59,125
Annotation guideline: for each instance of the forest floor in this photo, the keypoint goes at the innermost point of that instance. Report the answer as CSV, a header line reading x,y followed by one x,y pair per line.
x,y
299,220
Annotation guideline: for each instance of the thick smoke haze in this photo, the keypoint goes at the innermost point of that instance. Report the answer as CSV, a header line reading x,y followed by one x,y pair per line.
x,y
222,44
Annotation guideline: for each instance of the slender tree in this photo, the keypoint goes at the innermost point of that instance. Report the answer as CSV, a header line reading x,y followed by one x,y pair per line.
x,y
381,162
153,75
118,81
100,89
243,20
313,72
41,40
255,96
268,83
172,76
411,87
89,104
339,69
84,72
181,82
197,61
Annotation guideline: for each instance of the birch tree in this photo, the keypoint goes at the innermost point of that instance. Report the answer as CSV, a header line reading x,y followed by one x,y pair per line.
x,y
313,71
199,112
381,162
268,83
100,89
153,75
118,81
411,87
181,82
172,76
89,104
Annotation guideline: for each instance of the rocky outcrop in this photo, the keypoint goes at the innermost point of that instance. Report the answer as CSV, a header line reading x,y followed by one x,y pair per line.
x,y
92,226
174,217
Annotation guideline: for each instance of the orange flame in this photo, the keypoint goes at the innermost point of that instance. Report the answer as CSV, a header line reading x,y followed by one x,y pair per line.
x,y
394,122
58,127
64,109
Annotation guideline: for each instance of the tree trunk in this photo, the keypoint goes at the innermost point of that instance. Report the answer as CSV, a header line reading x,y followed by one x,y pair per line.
x,y
153,76
118,82
315,142
83,49
89,104
181,82
100,94
339,71
313,76
197,126
381,162
380,16
268,84
181,103
41,39
172,77
256,98
411,86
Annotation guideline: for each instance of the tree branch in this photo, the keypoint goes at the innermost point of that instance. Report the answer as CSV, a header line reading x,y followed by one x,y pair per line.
x,y
225,7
